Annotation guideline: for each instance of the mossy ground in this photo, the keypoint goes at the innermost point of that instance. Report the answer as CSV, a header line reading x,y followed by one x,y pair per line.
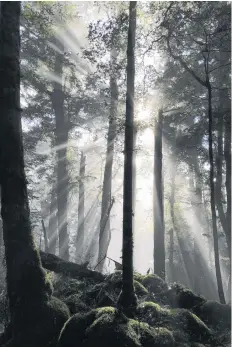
x,y
166,316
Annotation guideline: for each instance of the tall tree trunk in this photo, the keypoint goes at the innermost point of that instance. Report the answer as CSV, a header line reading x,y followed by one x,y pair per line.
x,y
227,155
172,277
127,298
52,223
57,98
159,240
218,185
26,283
81,213
196,203
107,182
212,197
45,236
186,258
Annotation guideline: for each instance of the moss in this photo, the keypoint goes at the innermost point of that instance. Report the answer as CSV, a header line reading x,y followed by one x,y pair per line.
x,y
73,332
41,324
181,297
111,329
155,284
140,290
138,277
152,313
215,314
115,278
65,286
108,327
183,320
75,304
104,327
150,337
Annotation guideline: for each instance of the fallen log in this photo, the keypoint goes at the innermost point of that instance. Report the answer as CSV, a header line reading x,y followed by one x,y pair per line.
x,y
67,268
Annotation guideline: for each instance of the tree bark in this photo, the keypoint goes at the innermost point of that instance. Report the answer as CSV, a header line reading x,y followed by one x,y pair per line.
x,y
212,197
127,299
159,241
52,224
172,277
53,263
227,156
61,134
45,236
26,281
107,182
81,213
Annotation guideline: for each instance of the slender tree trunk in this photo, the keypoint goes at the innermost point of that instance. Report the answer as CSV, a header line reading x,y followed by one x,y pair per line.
x,y
212,199
218,184
171,256
45,236
81,213
127,299
107,182
186,258
159,240
57,98
26,282
52,223
227,155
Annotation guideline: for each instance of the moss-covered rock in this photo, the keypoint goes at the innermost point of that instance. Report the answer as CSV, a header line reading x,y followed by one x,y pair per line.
x,y
193,325
115,278
140,290
75,304
107,327
215,314
40,325
150,312
152,337
185,325
138,277
65,286
181,297
155,284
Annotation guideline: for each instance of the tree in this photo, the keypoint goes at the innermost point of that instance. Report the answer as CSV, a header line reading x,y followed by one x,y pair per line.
x,y
107,182
204,51
81,212
159,239
127,298
26,280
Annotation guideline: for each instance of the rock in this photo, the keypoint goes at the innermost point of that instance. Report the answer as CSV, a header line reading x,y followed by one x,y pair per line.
x,y
108,327
155,284
181,297
215,314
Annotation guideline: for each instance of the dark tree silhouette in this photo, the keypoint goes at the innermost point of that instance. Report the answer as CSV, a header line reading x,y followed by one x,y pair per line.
x,y
127,299
26,280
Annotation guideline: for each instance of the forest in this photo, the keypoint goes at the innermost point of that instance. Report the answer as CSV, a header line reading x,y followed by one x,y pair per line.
x,y
115,174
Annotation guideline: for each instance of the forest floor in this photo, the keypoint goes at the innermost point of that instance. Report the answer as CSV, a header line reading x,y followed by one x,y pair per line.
x,y
166,316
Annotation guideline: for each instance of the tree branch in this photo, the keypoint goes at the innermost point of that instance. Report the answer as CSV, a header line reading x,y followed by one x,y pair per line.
x,y
184,65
